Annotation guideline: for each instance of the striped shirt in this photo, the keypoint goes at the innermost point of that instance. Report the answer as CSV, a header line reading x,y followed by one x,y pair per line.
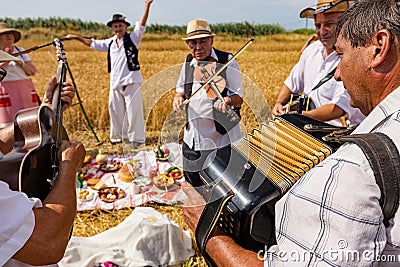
x,y
332,216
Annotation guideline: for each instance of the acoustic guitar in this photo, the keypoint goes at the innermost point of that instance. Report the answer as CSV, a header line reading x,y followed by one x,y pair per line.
x,y
32,166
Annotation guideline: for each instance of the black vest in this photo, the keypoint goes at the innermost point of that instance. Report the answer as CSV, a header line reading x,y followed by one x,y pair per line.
x,y
131,53
189,70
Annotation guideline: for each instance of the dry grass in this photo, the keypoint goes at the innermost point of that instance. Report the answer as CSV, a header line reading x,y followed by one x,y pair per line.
x,y
265,64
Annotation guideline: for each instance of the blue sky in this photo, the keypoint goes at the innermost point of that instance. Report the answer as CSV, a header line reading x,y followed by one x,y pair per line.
x,y
172,12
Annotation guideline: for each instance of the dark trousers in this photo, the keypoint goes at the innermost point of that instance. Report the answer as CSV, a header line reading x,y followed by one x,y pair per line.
x,y
193,161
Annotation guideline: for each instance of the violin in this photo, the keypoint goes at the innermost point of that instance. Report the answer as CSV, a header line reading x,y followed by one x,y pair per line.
x,y
217,72
203,72
32,166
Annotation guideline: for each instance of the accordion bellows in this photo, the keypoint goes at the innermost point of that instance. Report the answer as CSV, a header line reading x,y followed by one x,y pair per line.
x,y
258,170
282,152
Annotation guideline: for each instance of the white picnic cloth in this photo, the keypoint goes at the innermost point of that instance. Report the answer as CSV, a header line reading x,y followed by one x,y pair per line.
x,y
144,238
137,195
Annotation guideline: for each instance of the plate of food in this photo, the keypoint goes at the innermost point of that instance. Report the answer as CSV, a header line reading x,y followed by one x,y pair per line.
x,y
111,194
163,182
174,172
161,153
110,166
85,195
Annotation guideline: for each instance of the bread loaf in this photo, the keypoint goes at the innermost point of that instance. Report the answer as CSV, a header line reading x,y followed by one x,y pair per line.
x,y
125,175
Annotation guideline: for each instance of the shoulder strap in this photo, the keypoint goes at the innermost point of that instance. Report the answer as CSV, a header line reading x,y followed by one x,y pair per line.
x,y
383,156
325,79
219,196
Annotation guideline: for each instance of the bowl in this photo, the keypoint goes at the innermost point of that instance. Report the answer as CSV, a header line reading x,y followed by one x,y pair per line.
x,y
111,194
110,166
163,182
174,172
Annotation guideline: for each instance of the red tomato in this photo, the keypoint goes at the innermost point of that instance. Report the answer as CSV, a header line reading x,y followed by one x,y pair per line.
x,y
176,174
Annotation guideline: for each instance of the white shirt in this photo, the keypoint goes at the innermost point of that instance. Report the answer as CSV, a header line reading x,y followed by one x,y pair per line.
x,y
333,212
17,222
201,133
15,71
120,73
310,70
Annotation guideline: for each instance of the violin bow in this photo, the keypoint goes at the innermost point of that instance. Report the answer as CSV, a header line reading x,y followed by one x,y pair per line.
x,y
211,78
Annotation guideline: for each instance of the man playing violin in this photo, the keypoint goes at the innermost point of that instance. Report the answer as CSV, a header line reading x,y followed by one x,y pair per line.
x,y
327,101
34,232
203,132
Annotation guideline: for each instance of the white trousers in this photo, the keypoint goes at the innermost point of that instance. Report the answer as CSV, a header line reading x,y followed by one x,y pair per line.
x,y
126,114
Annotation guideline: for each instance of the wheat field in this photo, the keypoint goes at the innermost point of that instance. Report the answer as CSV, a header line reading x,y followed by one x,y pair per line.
x,y
264,66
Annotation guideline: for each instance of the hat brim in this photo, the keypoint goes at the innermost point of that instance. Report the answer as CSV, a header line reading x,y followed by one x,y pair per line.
x,y
339,7
17,34
198,36
109,24
4,56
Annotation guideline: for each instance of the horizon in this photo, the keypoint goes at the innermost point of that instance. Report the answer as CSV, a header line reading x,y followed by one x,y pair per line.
x,y
283,13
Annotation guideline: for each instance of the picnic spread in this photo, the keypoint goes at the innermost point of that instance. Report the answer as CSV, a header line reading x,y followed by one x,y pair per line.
x,y
124,181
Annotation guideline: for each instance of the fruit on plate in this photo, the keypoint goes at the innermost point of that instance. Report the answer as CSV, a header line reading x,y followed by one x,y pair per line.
x,y
163,182
161,152
174,172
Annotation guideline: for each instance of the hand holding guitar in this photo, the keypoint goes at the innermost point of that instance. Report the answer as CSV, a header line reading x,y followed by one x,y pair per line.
x,y
67,93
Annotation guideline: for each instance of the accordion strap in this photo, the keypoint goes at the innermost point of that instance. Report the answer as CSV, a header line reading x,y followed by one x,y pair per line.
x,y
220,195
384,159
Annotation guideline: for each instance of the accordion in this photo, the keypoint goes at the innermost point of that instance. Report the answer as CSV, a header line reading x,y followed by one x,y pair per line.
x,y
245,180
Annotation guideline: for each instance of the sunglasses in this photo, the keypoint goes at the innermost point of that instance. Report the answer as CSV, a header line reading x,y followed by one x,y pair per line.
x,y
3,73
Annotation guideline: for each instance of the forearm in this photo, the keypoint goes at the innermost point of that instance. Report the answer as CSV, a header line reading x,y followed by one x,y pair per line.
x,y
27,67
284,95
145,14
84,40
325,113
53,221
226,252
7,139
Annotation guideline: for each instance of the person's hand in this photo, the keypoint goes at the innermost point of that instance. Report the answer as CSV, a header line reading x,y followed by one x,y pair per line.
x,y
278,109
70,37
148,2
72,153
68,92
221,106
176,104
193,206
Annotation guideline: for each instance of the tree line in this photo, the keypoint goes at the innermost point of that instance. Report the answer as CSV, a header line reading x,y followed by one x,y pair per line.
x,y
68,24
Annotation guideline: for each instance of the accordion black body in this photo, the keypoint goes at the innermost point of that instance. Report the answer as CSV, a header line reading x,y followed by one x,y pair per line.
x,y
256,171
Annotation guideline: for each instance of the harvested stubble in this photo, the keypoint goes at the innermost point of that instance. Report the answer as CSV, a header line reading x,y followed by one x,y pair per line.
x,y
267,63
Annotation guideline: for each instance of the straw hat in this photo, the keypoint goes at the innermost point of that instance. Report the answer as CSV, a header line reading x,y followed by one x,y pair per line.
x,y
118,18
4,56
325,6
4,28
198,29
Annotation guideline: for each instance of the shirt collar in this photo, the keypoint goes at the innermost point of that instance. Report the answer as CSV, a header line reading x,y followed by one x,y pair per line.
x,y
386,108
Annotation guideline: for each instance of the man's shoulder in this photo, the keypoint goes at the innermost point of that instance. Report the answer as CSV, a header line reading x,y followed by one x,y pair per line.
x,y
313,48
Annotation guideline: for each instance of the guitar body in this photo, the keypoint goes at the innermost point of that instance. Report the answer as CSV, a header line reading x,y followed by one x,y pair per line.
x,y
31,167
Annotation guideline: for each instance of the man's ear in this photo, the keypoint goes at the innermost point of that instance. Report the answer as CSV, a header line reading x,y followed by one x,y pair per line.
x,y
381,47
